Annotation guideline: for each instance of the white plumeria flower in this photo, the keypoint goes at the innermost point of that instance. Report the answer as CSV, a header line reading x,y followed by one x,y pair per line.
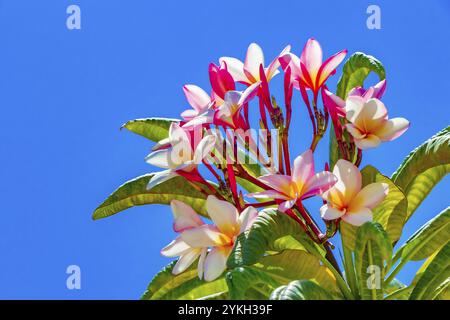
x,y
347,200
369,123
184,151
303,183
248,71
197,237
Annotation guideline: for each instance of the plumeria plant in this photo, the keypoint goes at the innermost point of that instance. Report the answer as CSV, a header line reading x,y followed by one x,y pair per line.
x,y
238,194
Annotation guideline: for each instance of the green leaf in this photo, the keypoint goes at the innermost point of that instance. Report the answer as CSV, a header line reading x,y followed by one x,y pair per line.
x,y
373,254
423,168
355,71
428,239
269,226
274,270
390,213
154,129
134,193
396,290
300,290
297,264
249,283
184,286
435,278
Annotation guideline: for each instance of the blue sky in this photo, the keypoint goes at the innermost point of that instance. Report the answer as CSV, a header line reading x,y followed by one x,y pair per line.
x,y
64,94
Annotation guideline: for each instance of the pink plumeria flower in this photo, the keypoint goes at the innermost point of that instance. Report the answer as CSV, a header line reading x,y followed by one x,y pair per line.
x,y
228,114
369,123
309,68
376,91
346,199
336,105
247,72
199,100
229,111
197,237
303,183
183,152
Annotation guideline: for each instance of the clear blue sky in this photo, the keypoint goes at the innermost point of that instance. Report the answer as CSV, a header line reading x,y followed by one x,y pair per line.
x,y
64,94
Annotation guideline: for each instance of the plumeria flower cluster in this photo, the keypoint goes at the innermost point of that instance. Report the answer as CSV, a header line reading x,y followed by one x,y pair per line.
x,y
239,89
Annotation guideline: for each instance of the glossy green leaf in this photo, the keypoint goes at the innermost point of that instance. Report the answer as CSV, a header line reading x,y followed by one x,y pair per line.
x,y
275,270
355,71
154,129
396,290
435,278
428,239
135,193
249,283
373,254
269,226
185,286
390,213
423,168
300,290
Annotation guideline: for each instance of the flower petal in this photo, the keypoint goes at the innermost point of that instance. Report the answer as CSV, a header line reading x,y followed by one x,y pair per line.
x,y
286,205
224,215
369,141
319,183
393,129
271,71
246,218
176,248
204,236
379,89
201,263
204,148
370,196
268,194
349,179
196,97
253,60
235,67
359,217
189,114
329,213
292,61
329,66
353,107
184,216
159,158
333,103
354,131
278,182
312,57
249,93
160,177
372,115
216,263
185,261
303,167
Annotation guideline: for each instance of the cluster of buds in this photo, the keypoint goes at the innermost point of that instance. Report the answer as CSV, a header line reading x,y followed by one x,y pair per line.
x,y
214,133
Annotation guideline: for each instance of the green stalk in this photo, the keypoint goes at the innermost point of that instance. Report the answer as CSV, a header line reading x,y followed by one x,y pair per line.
x,y
349,268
